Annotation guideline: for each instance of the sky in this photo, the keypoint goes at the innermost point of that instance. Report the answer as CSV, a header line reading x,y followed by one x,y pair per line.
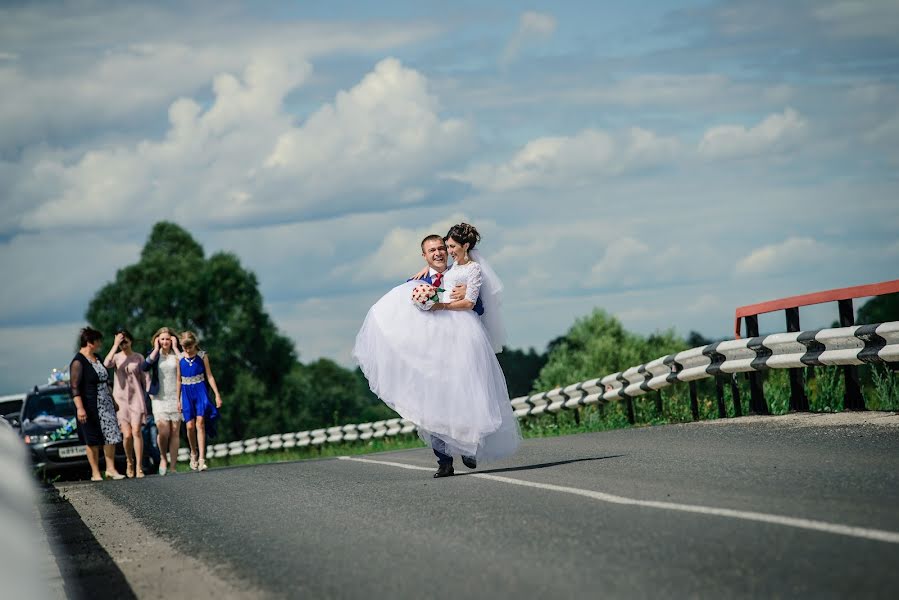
x,y
665,161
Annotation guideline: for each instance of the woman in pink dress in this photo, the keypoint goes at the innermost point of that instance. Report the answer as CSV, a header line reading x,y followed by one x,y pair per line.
x,y
128,391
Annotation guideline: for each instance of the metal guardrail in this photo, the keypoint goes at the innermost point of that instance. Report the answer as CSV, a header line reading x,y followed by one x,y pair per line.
x,y
825,347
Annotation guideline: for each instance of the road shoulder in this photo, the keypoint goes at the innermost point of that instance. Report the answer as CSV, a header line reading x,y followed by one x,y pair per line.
x,y
106,552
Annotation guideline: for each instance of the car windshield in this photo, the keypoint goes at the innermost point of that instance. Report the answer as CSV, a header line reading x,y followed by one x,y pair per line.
x,y
49,408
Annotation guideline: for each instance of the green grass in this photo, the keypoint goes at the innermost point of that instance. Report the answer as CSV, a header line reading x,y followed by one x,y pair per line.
x,y
402,442
824,391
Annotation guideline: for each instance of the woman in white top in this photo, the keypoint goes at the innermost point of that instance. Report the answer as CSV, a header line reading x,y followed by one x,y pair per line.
x,y
438,368
162,362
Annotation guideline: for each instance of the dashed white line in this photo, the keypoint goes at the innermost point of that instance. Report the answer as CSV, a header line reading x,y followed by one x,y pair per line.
x,y
879,535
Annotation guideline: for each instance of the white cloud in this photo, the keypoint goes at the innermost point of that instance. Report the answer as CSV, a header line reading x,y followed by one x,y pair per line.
x,y
791,254
587,157
532,27
398,257
141,57
623,258
242,159
859,18
372,139
776,133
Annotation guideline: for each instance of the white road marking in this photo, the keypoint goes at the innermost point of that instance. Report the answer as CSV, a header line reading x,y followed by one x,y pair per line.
x,y
879,535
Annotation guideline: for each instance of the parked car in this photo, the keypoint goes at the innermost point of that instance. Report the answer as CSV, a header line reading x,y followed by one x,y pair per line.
x,y
11,407
47,426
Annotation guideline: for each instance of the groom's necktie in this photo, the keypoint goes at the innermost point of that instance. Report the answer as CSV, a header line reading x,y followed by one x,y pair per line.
x,y
437,280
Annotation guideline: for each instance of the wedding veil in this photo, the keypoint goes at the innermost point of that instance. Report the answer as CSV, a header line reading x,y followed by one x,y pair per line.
x,y
492,298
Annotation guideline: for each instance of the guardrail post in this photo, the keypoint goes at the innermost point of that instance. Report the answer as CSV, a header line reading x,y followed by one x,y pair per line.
x,y
853,399
757,403
798,399
660,410
719,394
735,392
631,417
694,401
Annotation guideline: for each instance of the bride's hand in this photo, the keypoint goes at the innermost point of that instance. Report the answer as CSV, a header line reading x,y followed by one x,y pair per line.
x,y
458,292
421,274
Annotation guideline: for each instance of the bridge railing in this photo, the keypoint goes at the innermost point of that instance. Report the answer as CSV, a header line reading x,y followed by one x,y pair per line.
x,y
876,344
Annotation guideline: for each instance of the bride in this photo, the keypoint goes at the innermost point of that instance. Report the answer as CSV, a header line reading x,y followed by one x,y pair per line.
x,y
438,368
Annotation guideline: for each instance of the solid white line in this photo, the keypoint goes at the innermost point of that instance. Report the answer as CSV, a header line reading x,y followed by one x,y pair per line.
x,y
879,535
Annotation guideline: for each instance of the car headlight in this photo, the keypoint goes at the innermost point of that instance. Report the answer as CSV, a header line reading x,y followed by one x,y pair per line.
x,y
37,439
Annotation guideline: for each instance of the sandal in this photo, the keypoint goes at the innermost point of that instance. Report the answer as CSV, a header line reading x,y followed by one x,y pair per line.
x,y
129,470
193,461
140,474
202,466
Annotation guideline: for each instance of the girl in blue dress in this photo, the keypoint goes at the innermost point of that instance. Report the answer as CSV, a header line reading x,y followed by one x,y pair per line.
x,y
199,412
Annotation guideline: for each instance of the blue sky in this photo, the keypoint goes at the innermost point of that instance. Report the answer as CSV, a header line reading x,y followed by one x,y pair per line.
x,y
667,162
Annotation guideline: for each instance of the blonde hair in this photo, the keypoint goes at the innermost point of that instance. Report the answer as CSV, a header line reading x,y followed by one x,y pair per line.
x,y
188,339
159,332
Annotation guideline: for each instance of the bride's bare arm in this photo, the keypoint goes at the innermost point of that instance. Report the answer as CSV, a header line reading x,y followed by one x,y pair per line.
x,y
467,300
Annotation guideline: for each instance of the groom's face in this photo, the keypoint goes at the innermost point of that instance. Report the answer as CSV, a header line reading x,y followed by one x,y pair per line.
x,y
434,252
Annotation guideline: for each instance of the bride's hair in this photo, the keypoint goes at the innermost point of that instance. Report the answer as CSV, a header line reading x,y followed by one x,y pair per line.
x,y
464,234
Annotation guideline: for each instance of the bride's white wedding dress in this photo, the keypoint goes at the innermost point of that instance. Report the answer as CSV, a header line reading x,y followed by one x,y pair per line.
x,y
438,369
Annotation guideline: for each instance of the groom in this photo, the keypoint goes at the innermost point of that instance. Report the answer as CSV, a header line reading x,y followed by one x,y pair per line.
x,y
433,249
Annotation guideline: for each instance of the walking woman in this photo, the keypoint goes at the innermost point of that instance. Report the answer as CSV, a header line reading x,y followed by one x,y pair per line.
x,y
162,363
94,407
199,412
128,391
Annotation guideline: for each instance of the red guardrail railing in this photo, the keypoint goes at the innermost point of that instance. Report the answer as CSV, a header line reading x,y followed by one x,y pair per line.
x,y
843,297
849,293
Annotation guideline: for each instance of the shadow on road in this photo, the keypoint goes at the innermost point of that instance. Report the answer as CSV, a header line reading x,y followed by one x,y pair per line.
x,y
87,570
542,465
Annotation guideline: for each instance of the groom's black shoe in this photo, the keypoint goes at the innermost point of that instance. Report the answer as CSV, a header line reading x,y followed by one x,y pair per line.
x,y
444,471
470,462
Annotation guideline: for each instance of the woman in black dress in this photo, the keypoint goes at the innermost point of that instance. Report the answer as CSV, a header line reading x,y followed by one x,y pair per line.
x,y
94,406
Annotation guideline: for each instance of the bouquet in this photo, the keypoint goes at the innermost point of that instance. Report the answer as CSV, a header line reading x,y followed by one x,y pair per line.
x,y
424,296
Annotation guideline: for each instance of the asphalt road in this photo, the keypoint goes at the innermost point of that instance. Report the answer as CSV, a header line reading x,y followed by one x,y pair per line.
x,y
350,529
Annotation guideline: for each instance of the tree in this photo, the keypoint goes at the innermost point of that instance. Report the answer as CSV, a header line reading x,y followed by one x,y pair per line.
x,y
174,285
879,310
598,345
521,369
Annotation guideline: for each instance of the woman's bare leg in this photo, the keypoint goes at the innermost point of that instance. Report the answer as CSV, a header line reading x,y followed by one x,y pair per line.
x,y
201,437
93,457
138,449
128,443
162,439
174,444
109,454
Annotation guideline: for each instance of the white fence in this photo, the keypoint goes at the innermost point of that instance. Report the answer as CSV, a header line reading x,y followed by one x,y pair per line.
x,y
826,347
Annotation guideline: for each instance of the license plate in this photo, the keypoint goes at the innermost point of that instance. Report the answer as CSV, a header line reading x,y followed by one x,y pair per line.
x,y
70,451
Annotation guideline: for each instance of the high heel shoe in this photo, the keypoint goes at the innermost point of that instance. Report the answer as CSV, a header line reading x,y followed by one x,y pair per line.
x,y
140,474
193,461
116,476
129,470
201,466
